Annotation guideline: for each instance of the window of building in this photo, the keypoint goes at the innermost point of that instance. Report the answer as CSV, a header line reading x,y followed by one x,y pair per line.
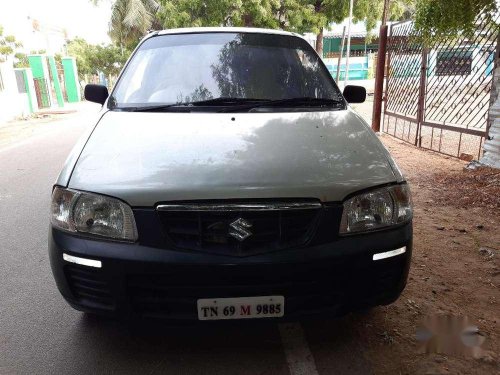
x,y
21,87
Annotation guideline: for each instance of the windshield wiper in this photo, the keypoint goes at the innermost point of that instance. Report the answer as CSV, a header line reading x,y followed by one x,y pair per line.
x,y
290,102
227,101
241,104
208,102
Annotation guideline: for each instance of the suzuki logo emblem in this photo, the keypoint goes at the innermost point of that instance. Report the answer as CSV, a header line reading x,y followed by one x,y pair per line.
x,y
240,229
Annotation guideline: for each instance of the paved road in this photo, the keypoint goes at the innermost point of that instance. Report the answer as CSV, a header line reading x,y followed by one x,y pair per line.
x,y
41,334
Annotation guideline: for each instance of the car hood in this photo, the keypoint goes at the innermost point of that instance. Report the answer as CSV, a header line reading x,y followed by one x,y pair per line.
x,y
146,158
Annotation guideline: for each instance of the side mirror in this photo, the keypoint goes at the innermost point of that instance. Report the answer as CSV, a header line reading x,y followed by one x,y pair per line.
x,y
354,94
96,93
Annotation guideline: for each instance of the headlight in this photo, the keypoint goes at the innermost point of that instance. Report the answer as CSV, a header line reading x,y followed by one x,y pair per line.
x,y
92,214
376,209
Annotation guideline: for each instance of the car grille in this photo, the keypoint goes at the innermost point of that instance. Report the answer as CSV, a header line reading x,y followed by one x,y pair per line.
x,y
173,292
240,229
88,285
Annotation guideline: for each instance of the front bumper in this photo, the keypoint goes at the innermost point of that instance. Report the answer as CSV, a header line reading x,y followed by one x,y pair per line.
x,y
137,280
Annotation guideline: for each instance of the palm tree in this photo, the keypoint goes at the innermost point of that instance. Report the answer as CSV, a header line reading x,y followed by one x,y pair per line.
x,y
131,20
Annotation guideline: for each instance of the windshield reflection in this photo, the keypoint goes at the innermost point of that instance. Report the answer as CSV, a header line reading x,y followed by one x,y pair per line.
x,y
186,68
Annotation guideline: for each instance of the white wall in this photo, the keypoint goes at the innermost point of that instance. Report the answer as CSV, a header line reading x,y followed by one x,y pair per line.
x,y
12,103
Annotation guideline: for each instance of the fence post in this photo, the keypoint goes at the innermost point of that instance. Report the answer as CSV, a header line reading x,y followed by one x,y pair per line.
x,y
379,78
494,89
421,98
340,57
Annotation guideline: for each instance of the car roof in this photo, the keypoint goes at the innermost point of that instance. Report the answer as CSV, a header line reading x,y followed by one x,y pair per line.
x,y
190,30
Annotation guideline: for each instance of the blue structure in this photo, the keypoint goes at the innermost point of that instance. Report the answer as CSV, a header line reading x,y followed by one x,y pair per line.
x,y
359,67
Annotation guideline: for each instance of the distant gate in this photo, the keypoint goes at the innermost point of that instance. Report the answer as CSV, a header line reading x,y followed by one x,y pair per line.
x,y
42,92
438,98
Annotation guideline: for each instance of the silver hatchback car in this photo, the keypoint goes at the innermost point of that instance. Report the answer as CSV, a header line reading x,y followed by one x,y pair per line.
x,y
228,178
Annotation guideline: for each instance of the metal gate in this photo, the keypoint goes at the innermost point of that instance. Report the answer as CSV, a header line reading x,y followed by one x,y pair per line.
x,y
438,98
42,92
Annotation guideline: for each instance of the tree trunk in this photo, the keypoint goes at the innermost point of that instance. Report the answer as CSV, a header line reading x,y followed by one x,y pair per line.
x,y
385,14
319,43
248,20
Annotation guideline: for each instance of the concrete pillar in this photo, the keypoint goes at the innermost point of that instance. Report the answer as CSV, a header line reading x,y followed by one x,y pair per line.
x,y
491,148
30,87
55,81
71,79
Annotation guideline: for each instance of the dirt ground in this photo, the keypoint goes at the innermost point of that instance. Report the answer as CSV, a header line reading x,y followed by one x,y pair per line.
x,y
455,268
18,130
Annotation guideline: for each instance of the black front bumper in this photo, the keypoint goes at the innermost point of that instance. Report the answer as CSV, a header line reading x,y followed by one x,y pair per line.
x,y
137,280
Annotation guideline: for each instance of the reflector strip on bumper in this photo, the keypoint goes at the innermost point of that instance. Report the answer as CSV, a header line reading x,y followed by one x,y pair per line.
x,y
389,254
82,261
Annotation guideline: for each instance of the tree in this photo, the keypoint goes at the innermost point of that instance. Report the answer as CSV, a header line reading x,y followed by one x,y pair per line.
x,y
21,60
194,13
80,50
324,13
436,18
108,59
131,20
367,11
92,59
293,15
9,46
274,14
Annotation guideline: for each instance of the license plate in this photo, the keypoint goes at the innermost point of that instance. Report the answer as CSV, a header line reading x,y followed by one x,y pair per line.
x,y
241,308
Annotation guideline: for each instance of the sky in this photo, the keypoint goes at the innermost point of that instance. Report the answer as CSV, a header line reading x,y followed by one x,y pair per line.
x,y
78,17
355,27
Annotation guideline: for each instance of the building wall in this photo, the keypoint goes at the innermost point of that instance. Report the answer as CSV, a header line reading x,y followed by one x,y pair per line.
x,y
12,103
333,44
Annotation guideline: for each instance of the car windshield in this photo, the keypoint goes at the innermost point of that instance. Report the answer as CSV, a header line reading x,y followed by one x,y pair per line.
x,y
187,68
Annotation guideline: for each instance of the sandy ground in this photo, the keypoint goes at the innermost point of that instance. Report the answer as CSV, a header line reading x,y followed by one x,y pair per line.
x,y
19,130
455,268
